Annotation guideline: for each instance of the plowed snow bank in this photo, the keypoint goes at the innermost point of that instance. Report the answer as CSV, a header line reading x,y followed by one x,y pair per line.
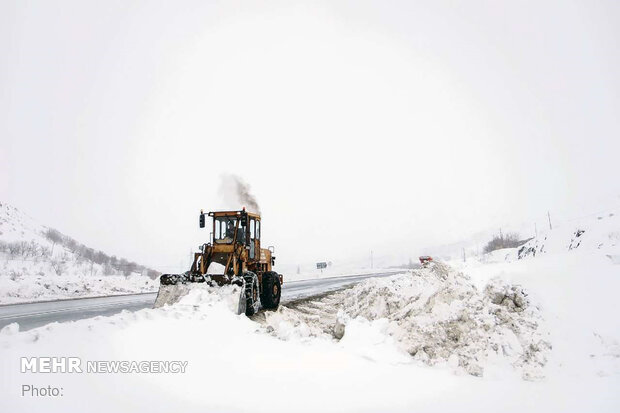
x,y
437,316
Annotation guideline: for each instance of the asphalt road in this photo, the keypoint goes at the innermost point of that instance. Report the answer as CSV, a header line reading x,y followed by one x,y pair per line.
x,y
32,315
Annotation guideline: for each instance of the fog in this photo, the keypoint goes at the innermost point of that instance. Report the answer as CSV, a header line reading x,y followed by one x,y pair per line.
x,y
357,126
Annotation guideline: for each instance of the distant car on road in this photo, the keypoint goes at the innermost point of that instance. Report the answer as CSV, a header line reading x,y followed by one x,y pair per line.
x,y
425,260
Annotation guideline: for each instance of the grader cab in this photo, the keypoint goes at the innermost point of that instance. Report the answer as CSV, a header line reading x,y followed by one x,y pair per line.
x,y
235,245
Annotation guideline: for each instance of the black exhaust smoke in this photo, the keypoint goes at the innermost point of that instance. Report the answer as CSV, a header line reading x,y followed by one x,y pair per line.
x,y
236,192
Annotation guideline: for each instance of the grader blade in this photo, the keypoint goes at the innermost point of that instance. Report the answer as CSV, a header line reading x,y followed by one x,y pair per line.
x,y
173,287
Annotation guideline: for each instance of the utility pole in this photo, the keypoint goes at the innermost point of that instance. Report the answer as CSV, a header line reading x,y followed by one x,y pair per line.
x,y
464,260
549,216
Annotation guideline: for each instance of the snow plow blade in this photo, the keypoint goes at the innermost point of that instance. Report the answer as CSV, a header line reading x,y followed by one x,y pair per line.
x,y
173,287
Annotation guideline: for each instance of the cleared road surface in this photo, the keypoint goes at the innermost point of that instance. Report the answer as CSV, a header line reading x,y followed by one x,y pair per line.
x,y
34,315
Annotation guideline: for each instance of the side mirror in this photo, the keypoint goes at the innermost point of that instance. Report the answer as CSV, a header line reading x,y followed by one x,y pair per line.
x,y
202,220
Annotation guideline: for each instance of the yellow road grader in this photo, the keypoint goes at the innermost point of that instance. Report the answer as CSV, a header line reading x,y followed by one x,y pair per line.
x,y
236,246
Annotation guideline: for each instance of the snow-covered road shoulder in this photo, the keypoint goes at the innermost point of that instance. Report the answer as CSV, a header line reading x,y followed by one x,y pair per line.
x,y
49,287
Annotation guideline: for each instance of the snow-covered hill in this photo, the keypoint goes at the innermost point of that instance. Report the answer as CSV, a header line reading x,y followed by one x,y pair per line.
x,y
600,230
40,263
599,235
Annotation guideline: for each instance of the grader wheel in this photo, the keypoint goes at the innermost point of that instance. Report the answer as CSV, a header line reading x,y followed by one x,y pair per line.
x,y
251,293
270,297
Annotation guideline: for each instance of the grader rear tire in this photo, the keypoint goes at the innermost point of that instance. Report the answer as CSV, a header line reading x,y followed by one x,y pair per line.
x,y
270,297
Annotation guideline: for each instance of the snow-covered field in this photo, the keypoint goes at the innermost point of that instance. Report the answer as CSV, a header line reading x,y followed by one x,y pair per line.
x,y
539,333
425,341
34,268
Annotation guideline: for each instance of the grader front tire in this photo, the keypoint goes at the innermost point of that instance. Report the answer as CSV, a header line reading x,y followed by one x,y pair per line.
x,y
251,293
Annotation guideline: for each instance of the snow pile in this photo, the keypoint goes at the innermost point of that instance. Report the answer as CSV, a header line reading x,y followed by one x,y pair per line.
x,y
203,294
200,294
438,317
573,270
578,289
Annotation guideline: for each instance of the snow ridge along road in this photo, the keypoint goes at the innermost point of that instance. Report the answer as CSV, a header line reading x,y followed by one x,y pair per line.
x,y
32,315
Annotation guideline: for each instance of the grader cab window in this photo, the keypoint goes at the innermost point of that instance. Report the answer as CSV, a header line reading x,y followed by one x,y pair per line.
x,y
225,230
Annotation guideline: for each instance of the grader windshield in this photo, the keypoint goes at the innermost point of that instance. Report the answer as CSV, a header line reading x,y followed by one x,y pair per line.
x,y
224,231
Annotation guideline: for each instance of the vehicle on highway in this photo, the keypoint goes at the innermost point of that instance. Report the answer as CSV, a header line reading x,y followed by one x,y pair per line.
x,y
236,245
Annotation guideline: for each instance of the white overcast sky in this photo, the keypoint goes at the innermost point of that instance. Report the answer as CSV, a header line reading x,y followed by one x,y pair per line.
x,y
359,125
